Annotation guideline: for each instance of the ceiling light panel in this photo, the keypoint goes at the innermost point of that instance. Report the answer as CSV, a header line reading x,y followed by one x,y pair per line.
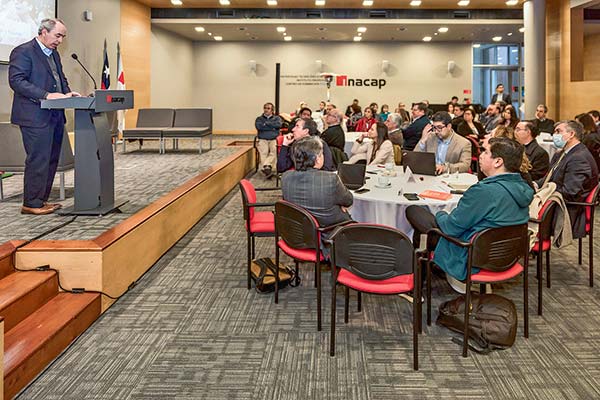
x,y
177,2
427,39
443,29
281,29
271,3
415,3
319,3
357,38
367,3
224,2
463,3
287,38
361,29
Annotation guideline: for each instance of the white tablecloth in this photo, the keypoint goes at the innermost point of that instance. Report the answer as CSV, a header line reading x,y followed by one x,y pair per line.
x,y
350,139
545,141
387,207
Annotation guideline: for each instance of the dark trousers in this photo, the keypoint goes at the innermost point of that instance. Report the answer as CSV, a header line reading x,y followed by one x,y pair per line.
x,y
42,146
422,220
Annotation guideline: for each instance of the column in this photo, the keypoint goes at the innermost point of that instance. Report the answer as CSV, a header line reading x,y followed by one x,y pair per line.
x,y
534,16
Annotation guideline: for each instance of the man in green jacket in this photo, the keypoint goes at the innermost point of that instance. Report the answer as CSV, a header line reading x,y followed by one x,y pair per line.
x,y
501,199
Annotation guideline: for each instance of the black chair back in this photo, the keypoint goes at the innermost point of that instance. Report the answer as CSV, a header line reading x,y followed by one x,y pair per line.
x,y
296,226
547,217
498,249
373,252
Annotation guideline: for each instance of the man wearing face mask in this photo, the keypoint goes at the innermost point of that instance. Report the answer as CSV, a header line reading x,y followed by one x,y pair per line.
x,y
439,138
573,170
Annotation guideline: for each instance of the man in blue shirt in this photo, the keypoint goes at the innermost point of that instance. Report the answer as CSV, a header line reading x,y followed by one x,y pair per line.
x,y
439,138
35,73
501,199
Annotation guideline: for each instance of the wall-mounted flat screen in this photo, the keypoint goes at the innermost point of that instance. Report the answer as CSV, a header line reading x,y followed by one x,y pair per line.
x,y
19,21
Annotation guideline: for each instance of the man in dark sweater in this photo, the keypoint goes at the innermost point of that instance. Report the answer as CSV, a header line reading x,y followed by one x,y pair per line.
x,y
304,127
267,125
525,133
334,134
541,122
412,133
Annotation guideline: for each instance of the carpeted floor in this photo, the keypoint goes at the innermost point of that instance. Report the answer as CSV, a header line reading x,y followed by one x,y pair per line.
x,y
191,330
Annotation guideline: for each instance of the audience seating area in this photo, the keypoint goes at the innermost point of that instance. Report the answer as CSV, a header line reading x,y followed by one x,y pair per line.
x,y
166,123
12,155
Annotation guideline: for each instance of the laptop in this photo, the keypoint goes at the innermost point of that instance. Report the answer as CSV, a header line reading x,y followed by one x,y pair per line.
x,y
419,163
352,175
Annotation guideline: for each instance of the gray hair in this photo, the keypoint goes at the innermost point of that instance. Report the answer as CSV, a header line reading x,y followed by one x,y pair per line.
x,y
396,119
336,114
49,24
573,126
306,151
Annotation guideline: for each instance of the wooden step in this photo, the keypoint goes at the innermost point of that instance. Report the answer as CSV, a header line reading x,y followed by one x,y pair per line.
x,y
22,293
6,259
31,345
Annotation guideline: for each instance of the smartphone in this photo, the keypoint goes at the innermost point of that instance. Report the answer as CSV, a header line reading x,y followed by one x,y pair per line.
x,y
363,190
411,196
371,172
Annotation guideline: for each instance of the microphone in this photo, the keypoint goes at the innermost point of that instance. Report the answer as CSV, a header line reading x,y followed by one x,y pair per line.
x,y
74,56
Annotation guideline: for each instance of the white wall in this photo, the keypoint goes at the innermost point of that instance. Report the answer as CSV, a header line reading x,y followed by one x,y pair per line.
x,y
222,77
172,62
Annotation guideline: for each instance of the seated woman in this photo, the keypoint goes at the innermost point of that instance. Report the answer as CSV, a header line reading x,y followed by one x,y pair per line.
x,y
505,132
591,136
366,122
320,192
470,127
354,117
509,117
373,147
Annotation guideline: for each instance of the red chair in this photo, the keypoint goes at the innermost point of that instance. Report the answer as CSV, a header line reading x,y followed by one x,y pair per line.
x,y
375,259
589,205
297,234
496,252
543,244
258,223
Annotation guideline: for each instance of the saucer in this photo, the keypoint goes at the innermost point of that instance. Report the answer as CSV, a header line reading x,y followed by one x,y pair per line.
x,y
389,185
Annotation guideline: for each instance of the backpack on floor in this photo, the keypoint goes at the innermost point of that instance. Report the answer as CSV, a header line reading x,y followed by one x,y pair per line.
x,y
262,271
492,322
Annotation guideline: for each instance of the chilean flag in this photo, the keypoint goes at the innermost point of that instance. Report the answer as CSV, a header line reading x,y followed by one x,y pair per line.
x,y
105,70
120,86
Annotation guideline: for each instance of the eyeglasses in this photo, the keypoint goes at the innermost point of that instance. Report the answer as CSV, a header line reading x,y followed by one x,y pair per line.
x,y
437,128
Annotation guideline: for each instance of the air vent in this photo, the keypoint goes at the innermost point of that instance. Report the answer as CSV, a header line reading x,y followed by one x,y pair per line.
x,y
314,14
225,13
378,14
462,14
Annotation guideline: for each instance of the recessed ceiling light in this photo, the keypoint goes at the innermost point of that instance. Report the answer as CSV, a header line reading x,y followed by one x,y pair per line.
x,y
284,34
224,2
209,34
427,39
512,2
319,3
522,29
199,29
415,3
361,29
281,29
359,34
218,38
509,34
435,34
176,2
476,46
443,29
367,3
497,38
287,38
357,38
463,3
271,2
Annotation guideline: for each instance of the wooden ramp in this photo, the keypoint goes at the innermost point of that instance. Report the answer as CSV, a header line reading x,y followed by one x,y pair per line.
x,y
39,321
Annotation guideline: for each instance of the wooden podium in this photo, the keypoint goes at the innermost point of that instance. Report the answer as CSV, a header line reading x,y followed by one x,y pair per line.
x,y
94,159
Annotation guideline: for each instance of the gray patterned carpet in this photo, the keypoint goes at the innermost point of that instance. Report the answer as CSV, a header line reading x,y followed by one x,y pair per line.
x,y
191,330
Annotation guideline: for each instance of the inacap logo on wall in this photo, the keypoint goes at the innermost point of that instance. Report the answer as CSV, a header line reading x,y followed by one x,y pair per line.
x,y
343,80
340,80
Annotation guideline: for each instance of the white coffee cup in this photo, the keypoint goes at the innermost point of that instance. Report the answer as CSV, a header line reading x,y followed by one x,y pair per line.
x,y
383,180
389,166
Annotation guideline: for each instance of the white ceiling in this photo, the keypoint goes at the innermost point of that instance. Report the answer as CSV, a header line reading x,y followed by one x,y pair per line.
x,y
408,30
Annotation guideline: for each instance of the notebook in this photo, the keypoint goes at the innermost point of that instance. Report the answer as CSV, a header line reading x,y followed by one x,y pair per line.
x,y
432,194
419,163
352,175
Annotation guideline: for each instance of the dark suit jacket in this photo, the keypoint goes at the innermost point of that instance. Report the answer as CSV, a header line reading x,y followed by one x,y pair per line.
x,y
30,76
539,159
592,142
575,177
285,161
465,130
544,126
412,133
320,192
334,137
505,98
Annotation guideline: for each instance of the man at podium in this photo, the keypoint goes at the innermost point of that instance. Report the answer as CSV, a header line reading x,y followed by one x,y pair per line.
x,y
35,73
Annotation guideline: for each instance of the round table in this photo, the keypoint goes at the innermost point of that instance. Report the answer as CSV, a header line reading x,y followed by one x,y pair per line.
x,y
388,207
546,143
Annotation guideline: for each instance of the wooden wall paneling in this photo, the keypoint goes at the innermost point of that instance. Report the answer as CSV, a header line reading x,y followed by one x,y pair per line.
x,y
591,59
576,44
135,50
2,358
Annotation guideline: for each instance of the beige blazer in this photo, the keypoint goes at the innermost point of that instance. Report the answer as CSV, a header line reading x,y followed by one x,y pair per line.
x,y
458,155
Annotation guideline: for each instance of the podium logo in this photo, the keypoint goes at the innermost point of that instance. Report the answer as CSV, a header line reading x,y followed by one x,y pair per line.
x,y
110,99
343,80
